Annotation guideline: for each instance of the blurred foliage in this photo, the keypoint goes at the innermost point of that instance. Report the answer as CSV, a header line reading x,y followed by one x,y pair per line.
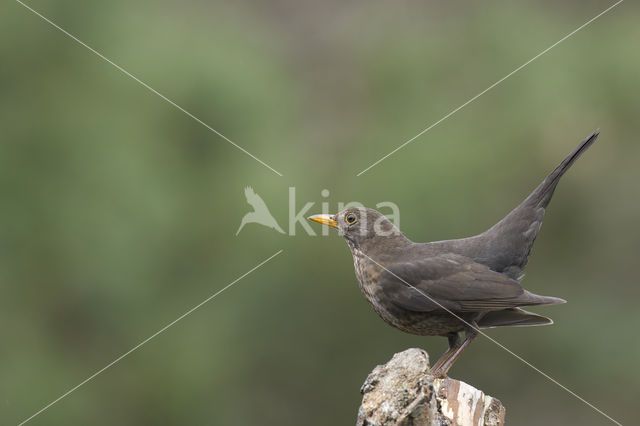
x,y
119,211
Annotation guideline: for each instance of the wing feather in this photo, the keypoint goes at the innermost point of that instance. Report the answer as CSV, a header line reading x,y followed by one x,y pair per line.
x,y
451,281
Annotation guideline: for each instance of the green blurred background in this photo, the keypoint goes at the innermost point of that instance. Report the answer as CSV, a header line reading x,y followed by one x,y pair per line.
x,y
119,212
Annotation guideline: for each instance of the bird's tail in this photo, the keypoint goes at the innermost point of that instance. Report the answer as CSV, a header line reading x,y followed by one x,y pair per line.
x,y
511,239
541,196
513,317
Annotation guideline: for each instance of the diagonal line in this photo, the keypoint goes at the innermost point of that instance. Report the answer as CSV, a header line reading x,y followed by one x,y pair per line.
x,y
492,86
151,89
94,375
499,344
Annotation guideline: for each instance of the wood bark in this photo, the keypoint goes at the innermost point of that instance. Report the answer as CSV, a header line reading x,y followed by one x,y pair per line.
x,y
403,392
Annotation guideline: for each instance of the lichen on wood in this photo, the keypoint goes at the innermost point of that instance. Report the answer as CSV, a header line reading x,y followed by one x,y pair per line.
x,y
403,392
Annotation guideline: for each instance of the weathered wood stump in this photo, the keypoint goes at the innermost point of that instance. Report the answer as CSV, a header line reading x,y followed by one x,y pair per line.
x,y
403,392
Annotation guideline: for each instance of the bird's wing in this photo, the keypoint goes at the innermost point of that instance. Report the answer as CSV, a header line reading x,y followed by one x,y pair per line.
x,y
255,200
450,281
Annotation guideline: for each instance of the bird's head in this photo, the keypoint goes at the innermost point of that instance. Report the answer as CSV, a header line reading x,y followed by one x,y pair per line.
x,y
359,224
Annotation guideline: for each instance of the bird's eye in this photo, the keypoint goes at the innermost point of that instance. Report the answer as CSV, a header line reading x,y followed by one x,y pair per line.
x,y
350,218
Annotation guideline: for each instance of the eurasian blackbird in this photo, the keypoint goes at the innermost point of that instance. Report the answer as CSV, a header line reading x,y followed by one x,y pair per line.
x,y
448,287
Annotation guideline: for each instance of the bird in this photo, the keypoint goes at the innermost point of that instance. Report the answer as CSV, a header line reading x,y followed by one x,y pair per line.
x,y
452,288
260,213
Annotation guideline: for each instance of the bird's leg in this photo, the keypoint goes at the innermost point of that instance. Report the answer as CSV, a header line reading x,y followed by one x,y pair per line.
x,y
441,368
454,342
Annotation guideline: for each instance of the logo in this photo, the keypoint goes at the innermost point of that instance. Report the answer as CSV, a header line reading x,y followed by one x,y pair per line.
x,y
262,216
260,213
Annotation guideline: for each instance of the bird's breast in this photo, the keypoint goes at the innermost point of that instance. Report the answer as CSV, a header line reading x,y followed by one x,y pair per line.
x,y
421,323
367,273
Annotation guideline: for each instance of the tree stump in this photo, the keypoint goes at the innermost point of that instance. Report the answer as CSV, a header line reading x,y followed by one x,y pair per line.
x,y
403,392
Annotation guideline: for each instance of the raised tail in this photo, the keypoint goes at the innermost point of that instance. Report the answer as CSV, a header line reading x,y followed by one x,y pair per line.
x,y
509,242
541,196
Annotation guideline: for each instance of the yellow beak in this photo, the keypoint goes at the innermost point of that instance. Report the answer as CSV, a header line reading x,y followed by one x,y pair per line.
x,y
324,219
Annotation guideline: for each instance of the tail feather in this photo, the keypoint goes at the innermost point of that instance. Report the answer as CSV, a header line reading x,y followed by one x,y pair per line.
x,y
514,317
506,246
541,196
511,239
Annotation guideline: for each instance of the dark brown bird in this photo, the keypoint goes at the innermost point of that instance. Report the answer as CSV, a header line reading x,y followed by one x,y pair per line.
x,y
448,287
